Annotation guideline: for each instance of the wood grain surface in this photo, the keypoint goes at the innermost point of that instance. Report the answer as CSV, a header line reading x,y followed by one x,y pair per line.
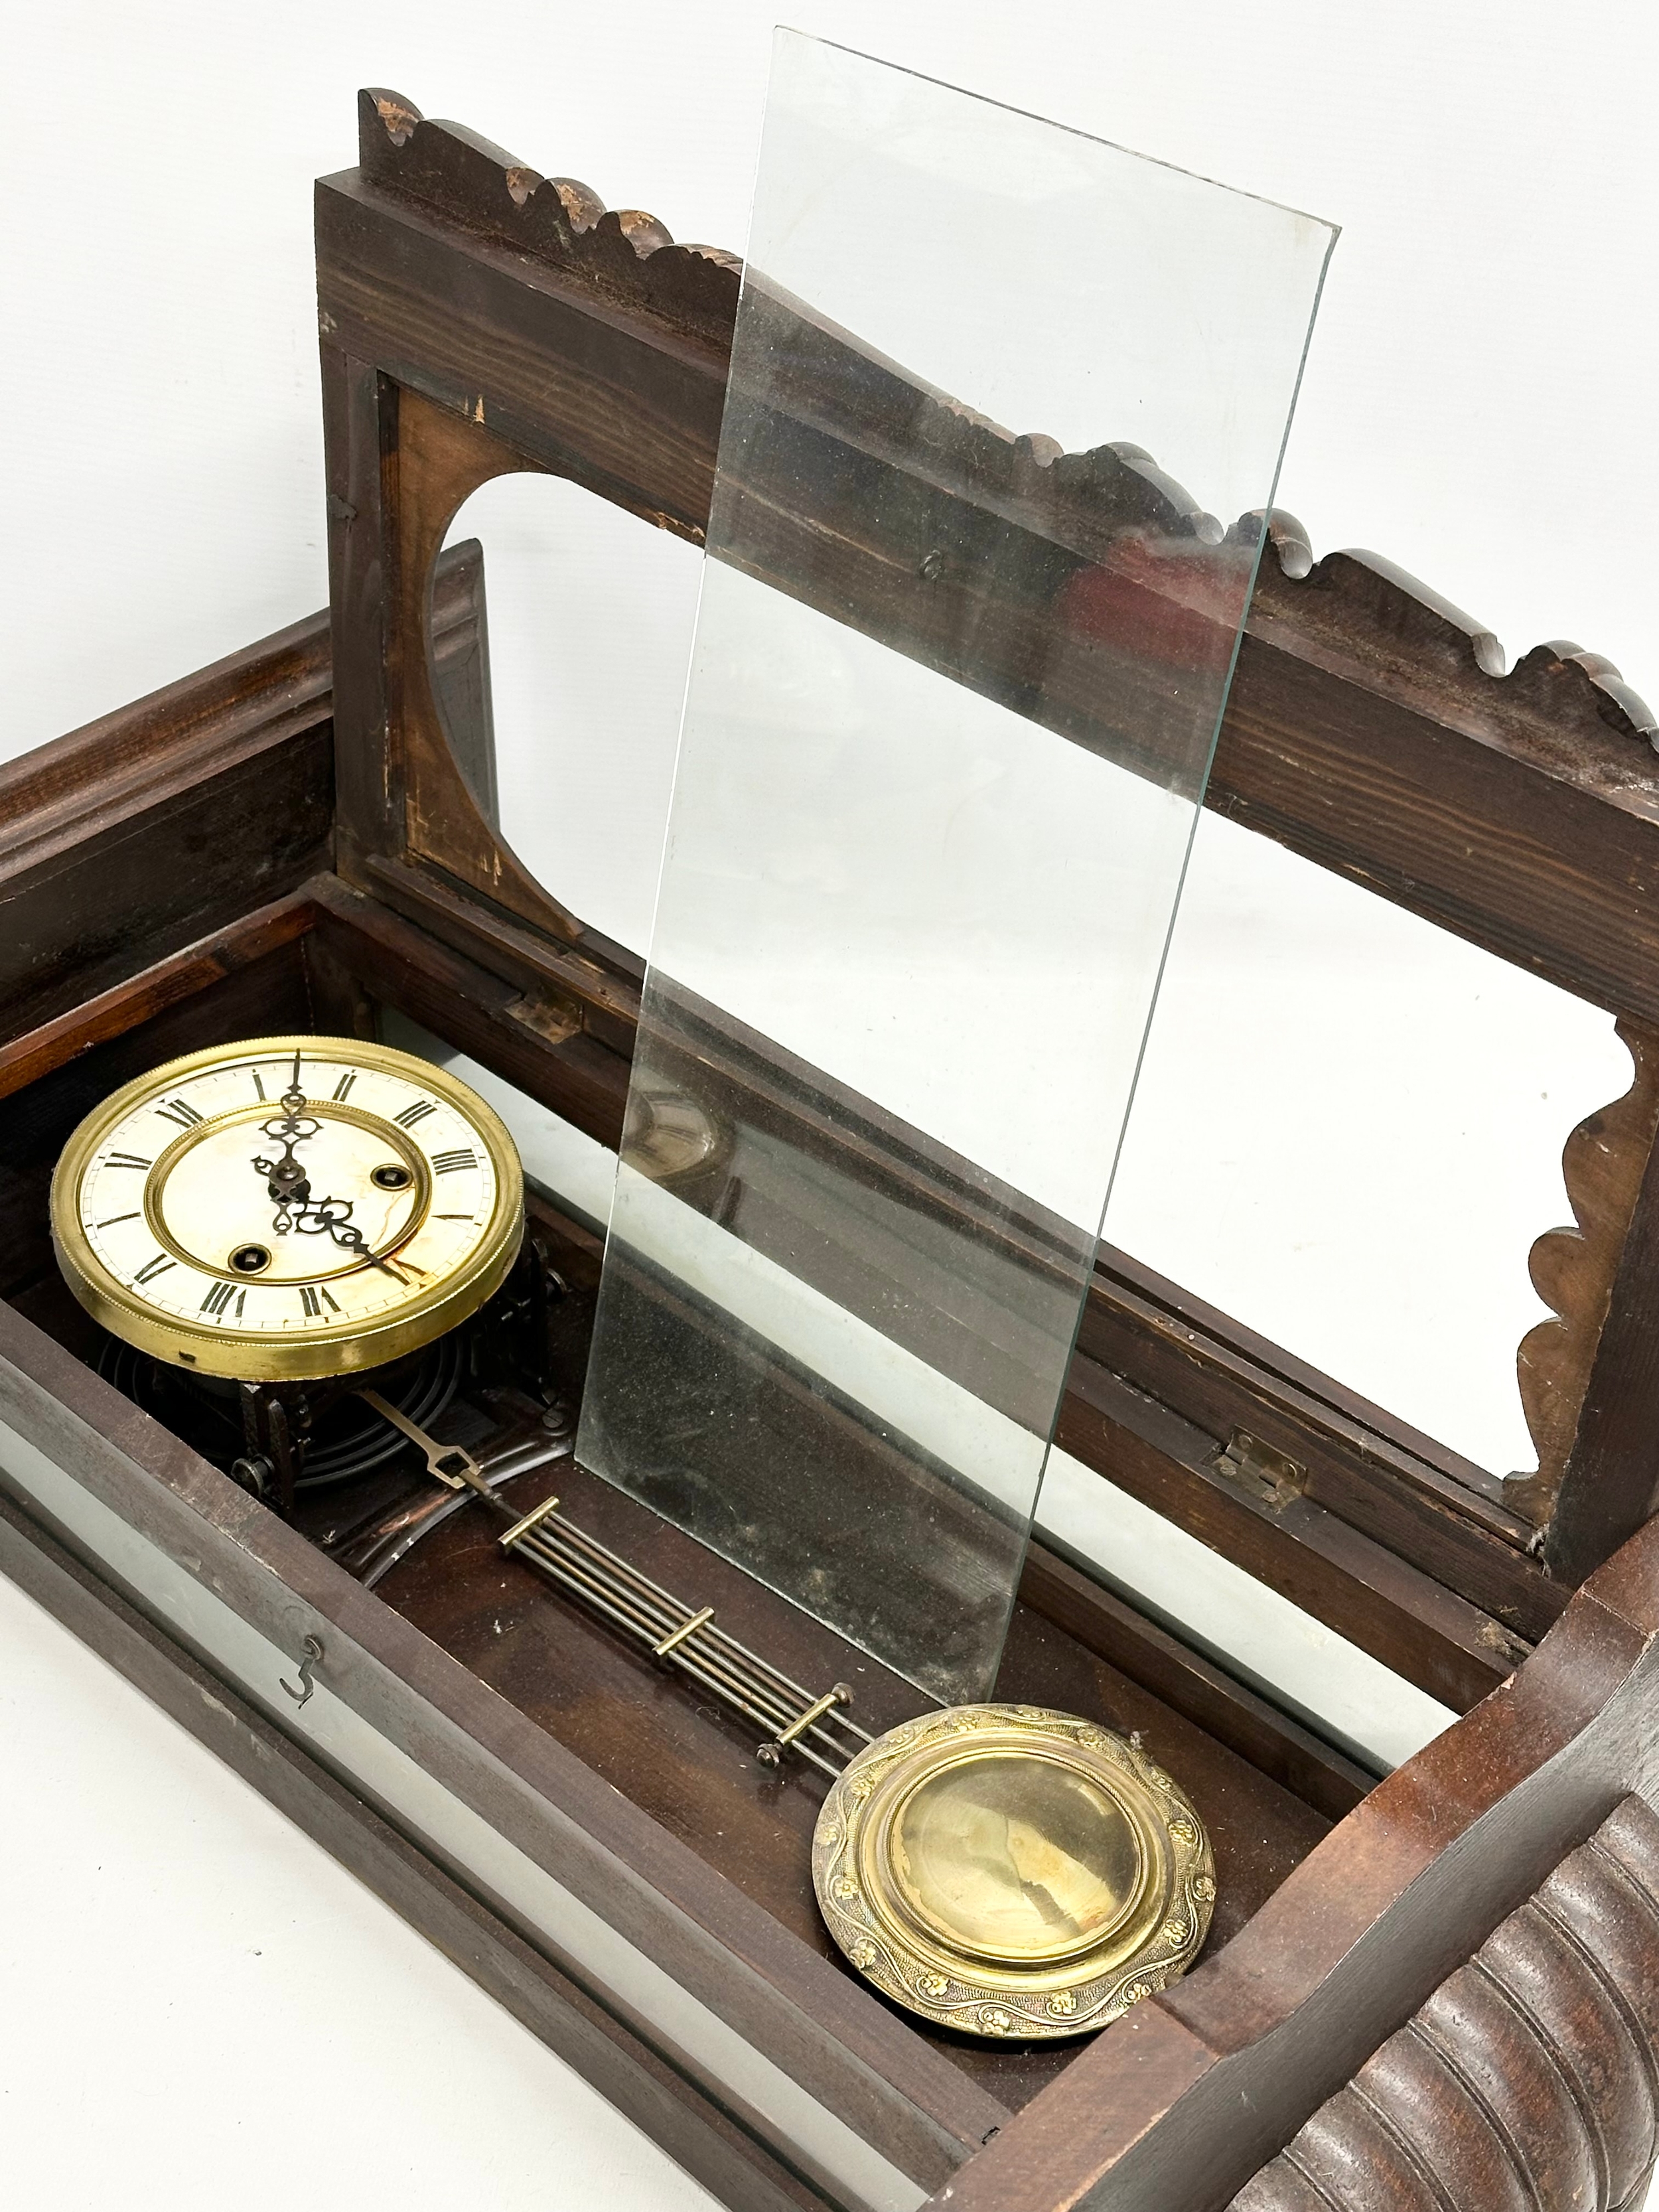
x,y
1526,2083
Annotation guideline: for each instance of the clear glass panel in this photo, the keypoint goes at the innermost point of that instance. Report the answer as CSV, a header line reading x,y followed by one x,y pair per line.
x,y
1348,1132
569,746
953,702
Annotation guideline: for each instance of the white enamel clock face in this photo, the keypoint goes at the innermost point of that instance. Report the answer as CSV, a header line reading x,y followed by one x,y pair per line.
x,y
288,1208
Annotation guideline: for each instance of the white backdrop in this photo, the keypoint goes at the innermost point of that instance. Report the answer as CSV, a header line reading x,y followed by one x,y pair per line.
x,y
1477,406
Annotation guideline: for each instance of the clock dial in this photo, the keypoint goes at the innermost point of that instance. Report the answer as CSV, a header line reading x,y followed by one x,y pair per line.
x,y
290,1206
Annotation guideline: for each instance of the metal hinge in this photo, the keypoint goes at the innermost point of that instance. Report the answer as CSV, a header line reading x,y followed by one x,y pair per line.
x,y
1271,1476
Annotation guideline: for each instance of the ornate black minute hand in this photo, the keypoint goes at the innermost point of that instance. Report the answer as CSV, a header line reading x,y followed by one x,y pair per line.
x,y
289,1184
285,1176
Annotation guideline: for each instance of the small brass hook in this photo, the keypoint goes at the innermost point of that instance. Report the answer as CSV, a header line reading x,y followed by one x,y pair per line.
x,y
313,1652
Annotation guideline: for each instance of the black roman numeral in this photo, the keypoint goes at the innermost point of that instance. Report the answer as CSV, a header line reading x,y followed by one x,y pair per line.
x,y
313,1299
451,1163
149,1272
127,1160
417,1112
179,1110
258,1086
217,1299
114,1218
396,1266
342,1088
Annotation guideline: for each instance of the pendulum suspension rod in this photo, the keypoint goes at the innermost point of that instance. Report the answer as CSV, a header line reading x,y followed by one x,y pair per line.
x,y
684,1637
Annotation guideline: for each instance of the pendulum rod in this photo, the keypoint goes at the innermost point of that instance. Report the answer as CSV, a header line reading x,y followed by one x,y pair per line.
x,y
681,1636
697,1646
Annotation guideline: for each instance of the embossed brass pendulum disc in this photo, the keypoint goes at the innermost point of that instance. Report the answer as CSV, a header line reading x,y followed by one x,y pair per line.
x,y
1012,1872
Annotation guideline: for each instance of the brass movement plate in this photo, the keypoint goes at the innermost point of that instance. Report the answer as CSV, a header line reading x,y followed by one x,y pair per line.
x,y
1012,1872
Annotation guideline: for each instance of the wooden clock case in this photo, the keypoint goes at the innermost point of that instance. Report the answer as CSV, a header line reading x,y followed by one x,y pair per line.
x,y
1437,1989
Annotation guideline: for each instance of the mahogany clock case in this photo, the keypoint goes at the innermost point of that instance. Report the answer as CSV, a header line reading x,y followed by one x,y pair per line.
x,y
600,1850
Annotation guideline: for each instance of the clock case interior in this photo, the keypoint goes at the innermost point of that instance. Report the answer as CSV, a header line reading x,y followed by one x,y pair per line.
x,y
287,842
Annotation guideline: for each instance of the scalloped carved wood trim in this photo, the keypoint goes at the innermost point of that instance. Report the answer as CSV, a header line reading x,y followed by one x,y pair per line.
x,y
623,253
1527,2083
1356,607
456,267
1573,1270
1566,710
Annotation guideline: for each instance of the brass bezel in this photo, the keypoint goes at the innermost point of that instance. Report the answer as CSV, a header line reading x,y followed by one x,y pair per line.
x,y
301,1354
862,1893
